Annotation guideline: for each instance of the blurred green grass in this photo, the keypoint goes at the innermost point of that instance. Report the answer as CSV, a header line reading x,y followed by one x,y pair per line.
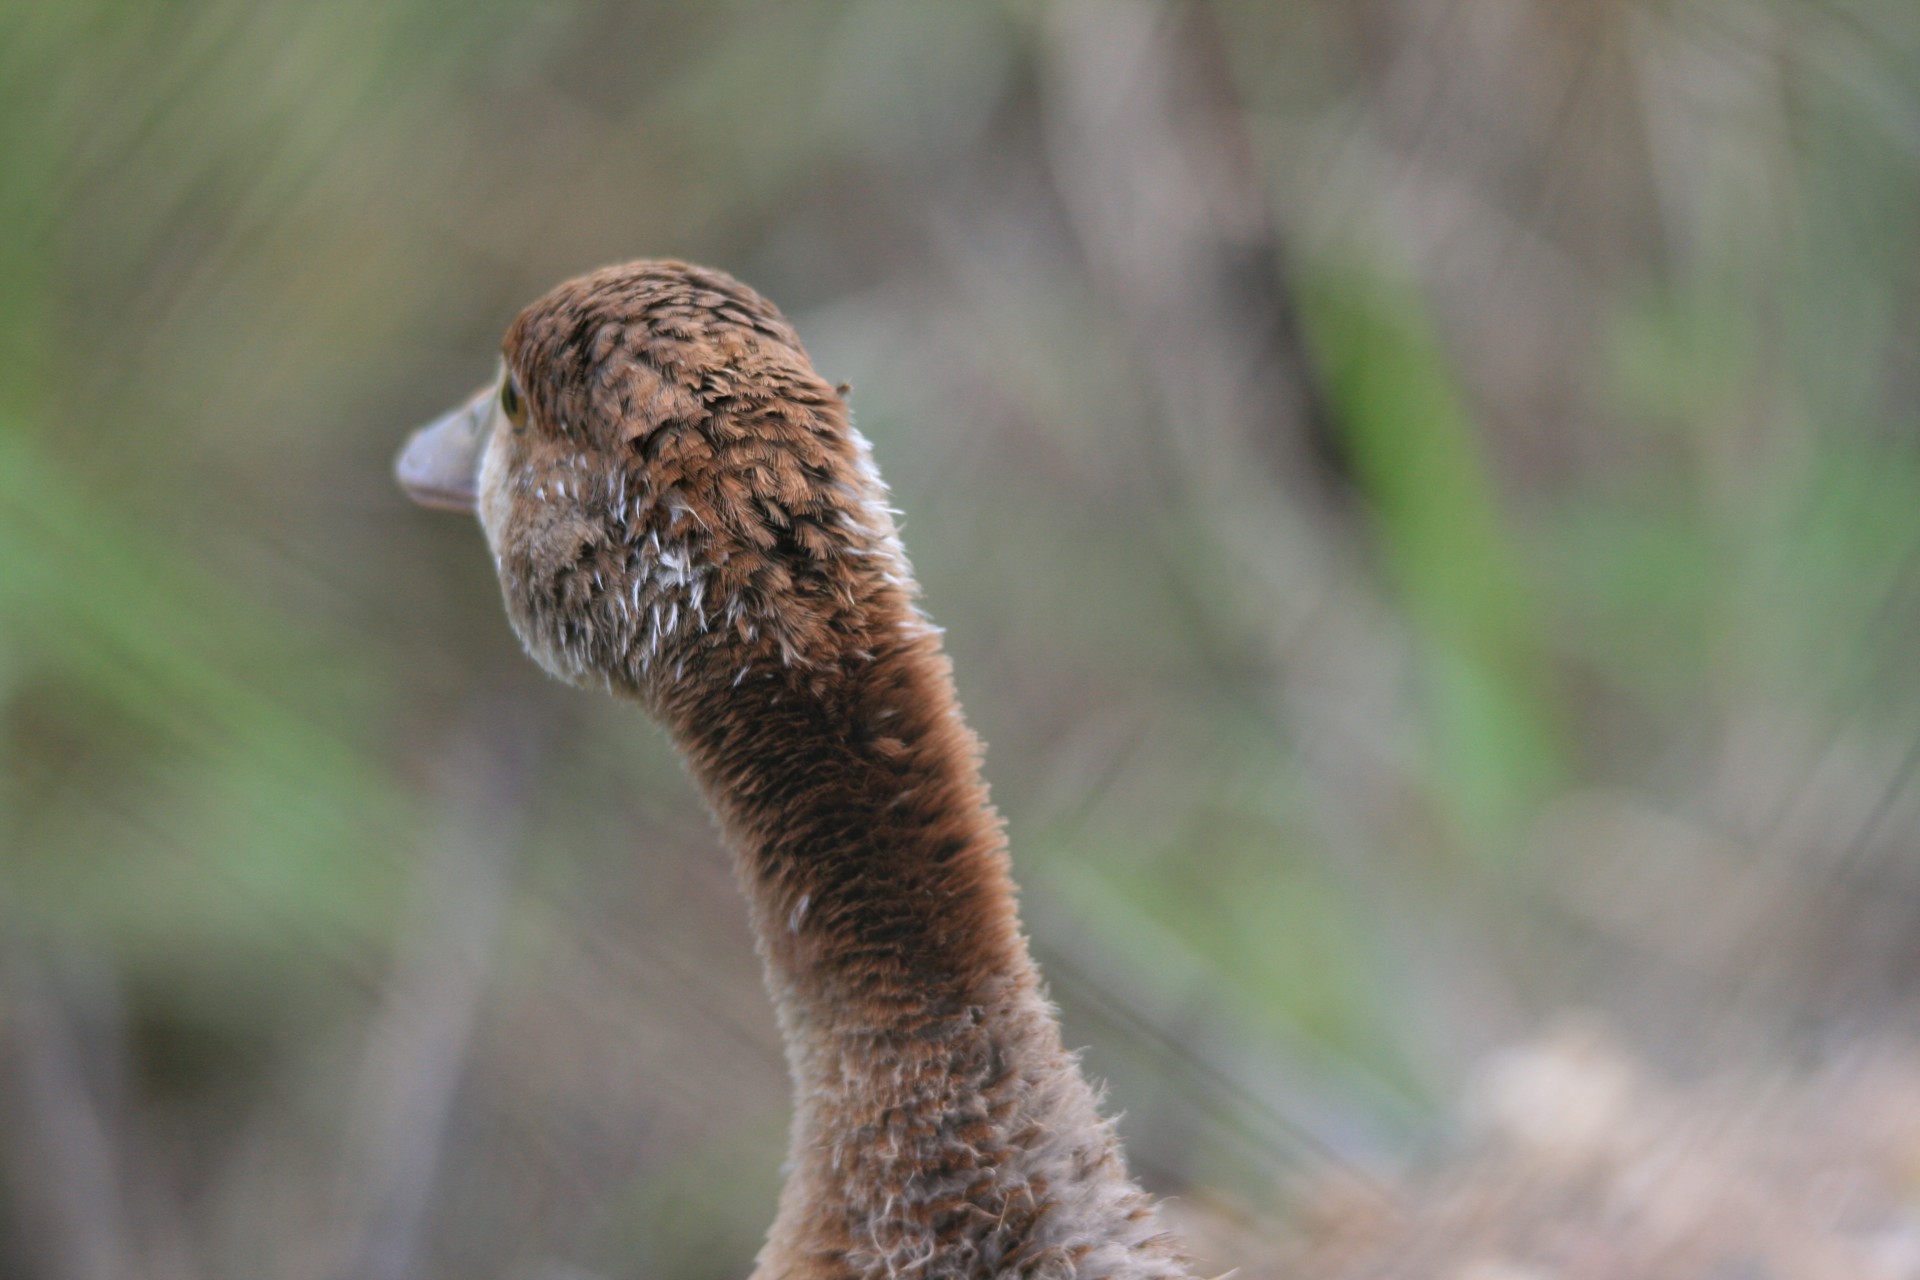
x,y
1614,307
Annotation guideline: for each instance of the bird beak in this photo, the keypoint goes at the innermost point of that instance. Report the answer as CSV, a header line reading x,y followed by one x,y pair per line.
x,y
440,467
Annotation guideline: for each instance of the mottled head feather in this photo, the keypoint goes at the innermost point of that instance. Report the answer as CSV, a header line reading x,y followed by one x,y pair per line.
x,y
684,488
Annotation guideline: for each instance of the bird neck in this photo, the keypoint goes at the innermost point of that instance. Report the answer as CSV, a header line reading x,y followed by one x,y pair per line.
x,y
874,865
936,1110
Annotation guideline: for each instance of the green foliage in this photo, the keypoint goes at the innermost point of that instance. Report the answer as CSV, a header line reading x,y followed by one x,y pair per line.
x,y
182,783
1270,776
1492,731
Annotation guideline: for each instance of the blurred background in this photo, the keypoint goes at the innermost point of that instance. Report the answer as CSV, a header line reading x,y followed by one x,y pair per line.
x,y
1421,494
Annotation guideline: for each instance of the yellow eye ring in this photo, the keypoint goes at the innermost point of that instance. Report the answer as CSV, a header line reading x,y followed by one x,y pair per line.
x,y
512,403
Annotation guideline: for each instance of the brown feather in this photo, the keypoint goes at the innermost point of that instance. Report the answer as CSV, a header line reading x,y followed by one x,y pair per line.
x,y
688,519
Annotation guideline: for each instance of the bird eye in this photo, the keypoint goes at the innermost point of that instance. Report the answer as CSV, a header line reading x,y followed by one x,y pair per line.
x,y
512,403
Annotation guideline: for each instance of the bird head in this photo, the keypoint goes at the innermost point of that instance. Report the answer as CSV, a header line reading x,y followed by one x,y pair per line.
x,y
669,489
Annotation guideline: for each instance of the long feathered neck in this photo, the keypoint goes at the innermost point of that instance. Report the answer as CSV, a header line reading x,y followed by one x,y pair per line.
x,y
940,1128
876,868
696,523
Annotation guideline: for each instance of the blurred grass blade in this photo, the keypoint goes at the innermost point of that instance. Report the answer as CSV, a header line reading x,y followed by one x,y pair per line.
x,y
1494,741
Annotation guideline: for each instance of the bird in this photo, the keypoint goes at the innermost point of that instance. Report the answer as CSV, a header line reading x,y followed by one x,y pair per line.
x,y
682,514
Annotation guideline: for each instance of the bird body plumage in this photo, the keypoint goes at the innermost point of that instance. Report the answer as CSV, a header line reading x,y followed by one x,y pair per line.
x,y
682,514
